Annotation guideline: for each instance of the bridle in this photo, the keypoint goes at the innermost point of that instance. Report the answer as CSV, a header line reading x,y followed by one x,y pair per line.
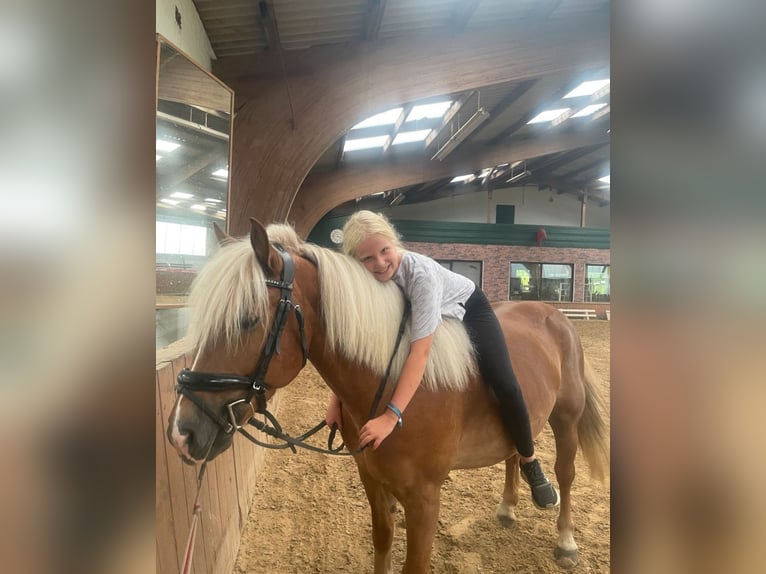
x,y
255,385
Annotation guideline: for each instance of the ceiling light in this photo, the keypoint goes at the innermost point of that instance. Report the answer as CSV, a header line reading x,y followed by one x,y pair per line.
x,y
588,110
365,143
605,179
398,199
461,134
600,113
519,176
414,136
588,88
158,158
164,145
463,178
199,207
223,173
381,119
181,195
427,111
169,201
213,200
548,116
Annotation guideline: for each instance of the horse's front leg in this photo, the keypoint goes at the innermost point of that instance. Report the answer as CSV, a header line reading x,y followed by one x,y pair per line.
x,y
382,521
505,512
421,511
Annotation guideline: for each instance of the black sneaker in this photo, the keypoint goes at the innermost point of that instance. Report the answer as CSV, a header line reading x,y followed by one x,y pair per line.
x,y
544,495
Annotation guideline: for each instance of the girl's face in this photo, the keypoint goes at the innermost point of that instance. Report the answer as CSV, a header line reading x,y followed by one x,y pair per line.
x,y
380,256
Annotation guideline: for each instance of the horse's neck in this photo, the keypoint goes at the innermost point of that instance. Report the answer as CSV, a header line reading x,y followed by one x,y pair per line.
x,y
354,384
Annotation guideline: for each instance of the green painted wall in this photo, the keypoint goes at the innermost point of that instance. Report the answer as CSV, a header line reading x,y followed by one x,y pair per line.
x,y
478,233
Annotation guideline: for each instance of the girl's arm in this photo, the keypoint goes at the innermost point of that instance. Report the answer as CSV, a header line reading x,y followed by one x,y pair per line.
x,y
376,430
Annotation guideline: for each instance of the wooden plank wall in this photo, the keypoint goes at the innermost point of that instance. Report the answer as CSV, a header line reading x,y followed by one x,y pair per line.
x,y
226,492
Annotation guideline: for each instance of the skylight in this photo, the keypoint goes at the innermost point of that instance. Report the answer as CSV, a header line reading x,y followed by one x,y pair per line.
x,y
365,143
414,136
381,119
164,145
426,111
548,116
588,110
587,88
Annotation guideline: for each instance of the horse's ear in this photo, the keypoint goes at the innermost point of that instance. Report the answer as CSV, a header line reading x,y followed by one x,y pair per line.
x,y
265,254
221,236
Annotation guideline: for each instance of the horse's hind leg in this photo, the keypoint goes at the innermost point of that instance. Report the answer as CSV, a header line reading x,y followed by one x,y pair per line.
x,y
382,522
564,427
505,512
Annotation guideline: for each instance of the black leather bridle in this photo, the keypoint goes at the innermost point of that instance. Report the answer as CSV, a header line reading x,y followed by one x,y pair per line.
x,y
255,384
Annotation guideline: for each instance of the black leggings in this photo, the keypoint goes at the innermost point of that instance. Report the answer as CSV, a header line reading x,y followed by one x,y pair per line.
x,y
495,366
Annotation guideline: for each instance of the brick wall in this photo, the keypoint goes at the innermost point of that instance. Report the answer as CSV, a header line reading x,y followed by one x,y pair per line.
x,y
496,263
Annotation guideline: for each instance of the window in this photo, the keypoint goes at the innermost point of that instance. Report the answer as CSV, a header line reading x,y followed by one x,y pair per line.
x,y
181,239
470,269
505,213
597,283
541,282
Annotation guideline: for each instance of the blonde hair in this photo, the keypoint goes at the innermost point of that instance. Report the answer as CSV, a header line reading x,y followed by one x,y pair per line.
x,y
363,224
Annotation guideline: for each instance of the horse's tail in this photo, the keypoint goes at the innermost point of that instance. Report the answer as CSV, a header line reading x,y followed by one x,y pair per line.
x,y
594,437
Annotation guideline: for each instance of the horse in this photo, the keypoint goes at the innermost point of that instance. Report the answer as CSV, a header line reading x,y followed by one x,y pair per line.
x,y
260,308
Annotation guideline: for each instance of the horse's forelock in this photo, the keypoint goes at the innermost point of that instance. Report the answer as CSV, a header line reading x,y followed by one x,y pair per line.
x,y
285,235
228,288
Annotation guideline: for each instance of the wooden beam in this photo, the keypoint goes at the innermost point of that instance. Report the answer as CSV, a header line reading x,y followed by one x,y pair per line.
x,y
323,191
269,23
335,85
568,157
375,11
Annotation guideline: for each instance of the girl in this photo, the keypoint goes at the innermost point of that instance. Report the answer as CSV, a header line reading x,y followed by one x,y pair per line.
x,y
434,292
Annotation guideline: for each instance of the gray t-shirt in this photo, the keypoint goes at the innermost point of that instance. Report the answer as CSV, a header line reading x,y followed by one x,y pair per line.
x,y
433,291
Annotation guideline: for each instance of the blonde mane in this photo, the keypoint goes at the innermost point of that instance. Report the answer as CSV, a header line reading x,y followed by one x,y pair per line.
x,y
229,288
361,315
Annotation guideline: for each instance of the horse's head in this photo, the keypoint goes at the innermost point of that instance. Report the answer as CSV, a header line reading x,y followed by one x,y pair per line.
x,y
250,336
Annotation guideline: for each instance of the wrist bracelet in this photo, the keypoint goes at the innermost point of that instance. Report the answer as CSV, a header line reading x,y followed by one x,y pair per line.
x,y
394,409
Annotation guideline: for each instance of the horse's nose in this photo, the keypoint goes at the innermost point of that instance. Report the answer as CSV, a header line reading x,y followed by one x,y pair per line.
x,y
180,439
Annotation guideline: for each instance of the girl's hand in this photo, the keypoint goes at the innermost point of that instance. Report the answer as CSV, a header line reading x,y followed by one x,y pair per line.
x,y
375,431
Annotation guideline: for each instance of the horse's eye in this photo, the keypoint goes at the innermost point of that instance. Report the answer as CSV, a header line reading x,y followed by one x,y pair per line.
x,y
247,323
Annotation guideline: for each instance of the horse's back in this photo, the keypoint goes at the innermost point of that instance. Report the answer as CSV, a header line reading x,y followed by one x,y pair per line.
x,y
546,355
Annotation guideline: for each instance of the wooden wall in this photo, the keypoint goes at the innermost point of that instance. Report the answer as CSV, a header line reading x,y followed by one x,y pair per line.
x,y
226,492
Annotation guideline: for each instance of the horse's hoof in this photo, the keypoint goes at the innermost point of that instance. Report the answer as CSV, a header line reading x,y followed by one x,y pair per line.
x,y
566,559
506,521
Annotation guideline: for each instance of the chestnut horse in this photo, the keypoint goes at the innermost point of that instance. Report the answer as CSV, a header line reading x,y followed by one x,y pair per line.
x,y
259,308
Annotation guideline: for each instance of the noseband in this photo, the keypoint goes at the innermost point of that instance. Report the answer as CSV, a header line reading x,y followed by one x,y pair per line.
x,y
190,381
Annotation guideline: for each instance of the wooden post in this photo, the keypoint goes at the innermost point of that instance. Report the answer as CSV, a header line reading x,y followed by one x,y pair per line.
x,y
583,205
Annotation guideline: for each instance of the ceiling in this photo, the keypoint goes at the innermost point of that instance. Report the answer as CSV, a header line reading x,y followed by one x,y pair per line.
x,y
238,28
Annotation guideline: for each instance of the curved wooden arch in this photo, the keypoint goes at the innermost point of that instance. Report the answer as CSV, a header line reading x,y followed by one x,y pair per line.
x,y
331,88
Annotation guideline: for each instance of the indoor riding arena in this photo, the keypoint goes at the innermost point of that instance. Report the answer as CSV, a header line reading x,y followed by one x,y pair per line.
x,y
481,130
